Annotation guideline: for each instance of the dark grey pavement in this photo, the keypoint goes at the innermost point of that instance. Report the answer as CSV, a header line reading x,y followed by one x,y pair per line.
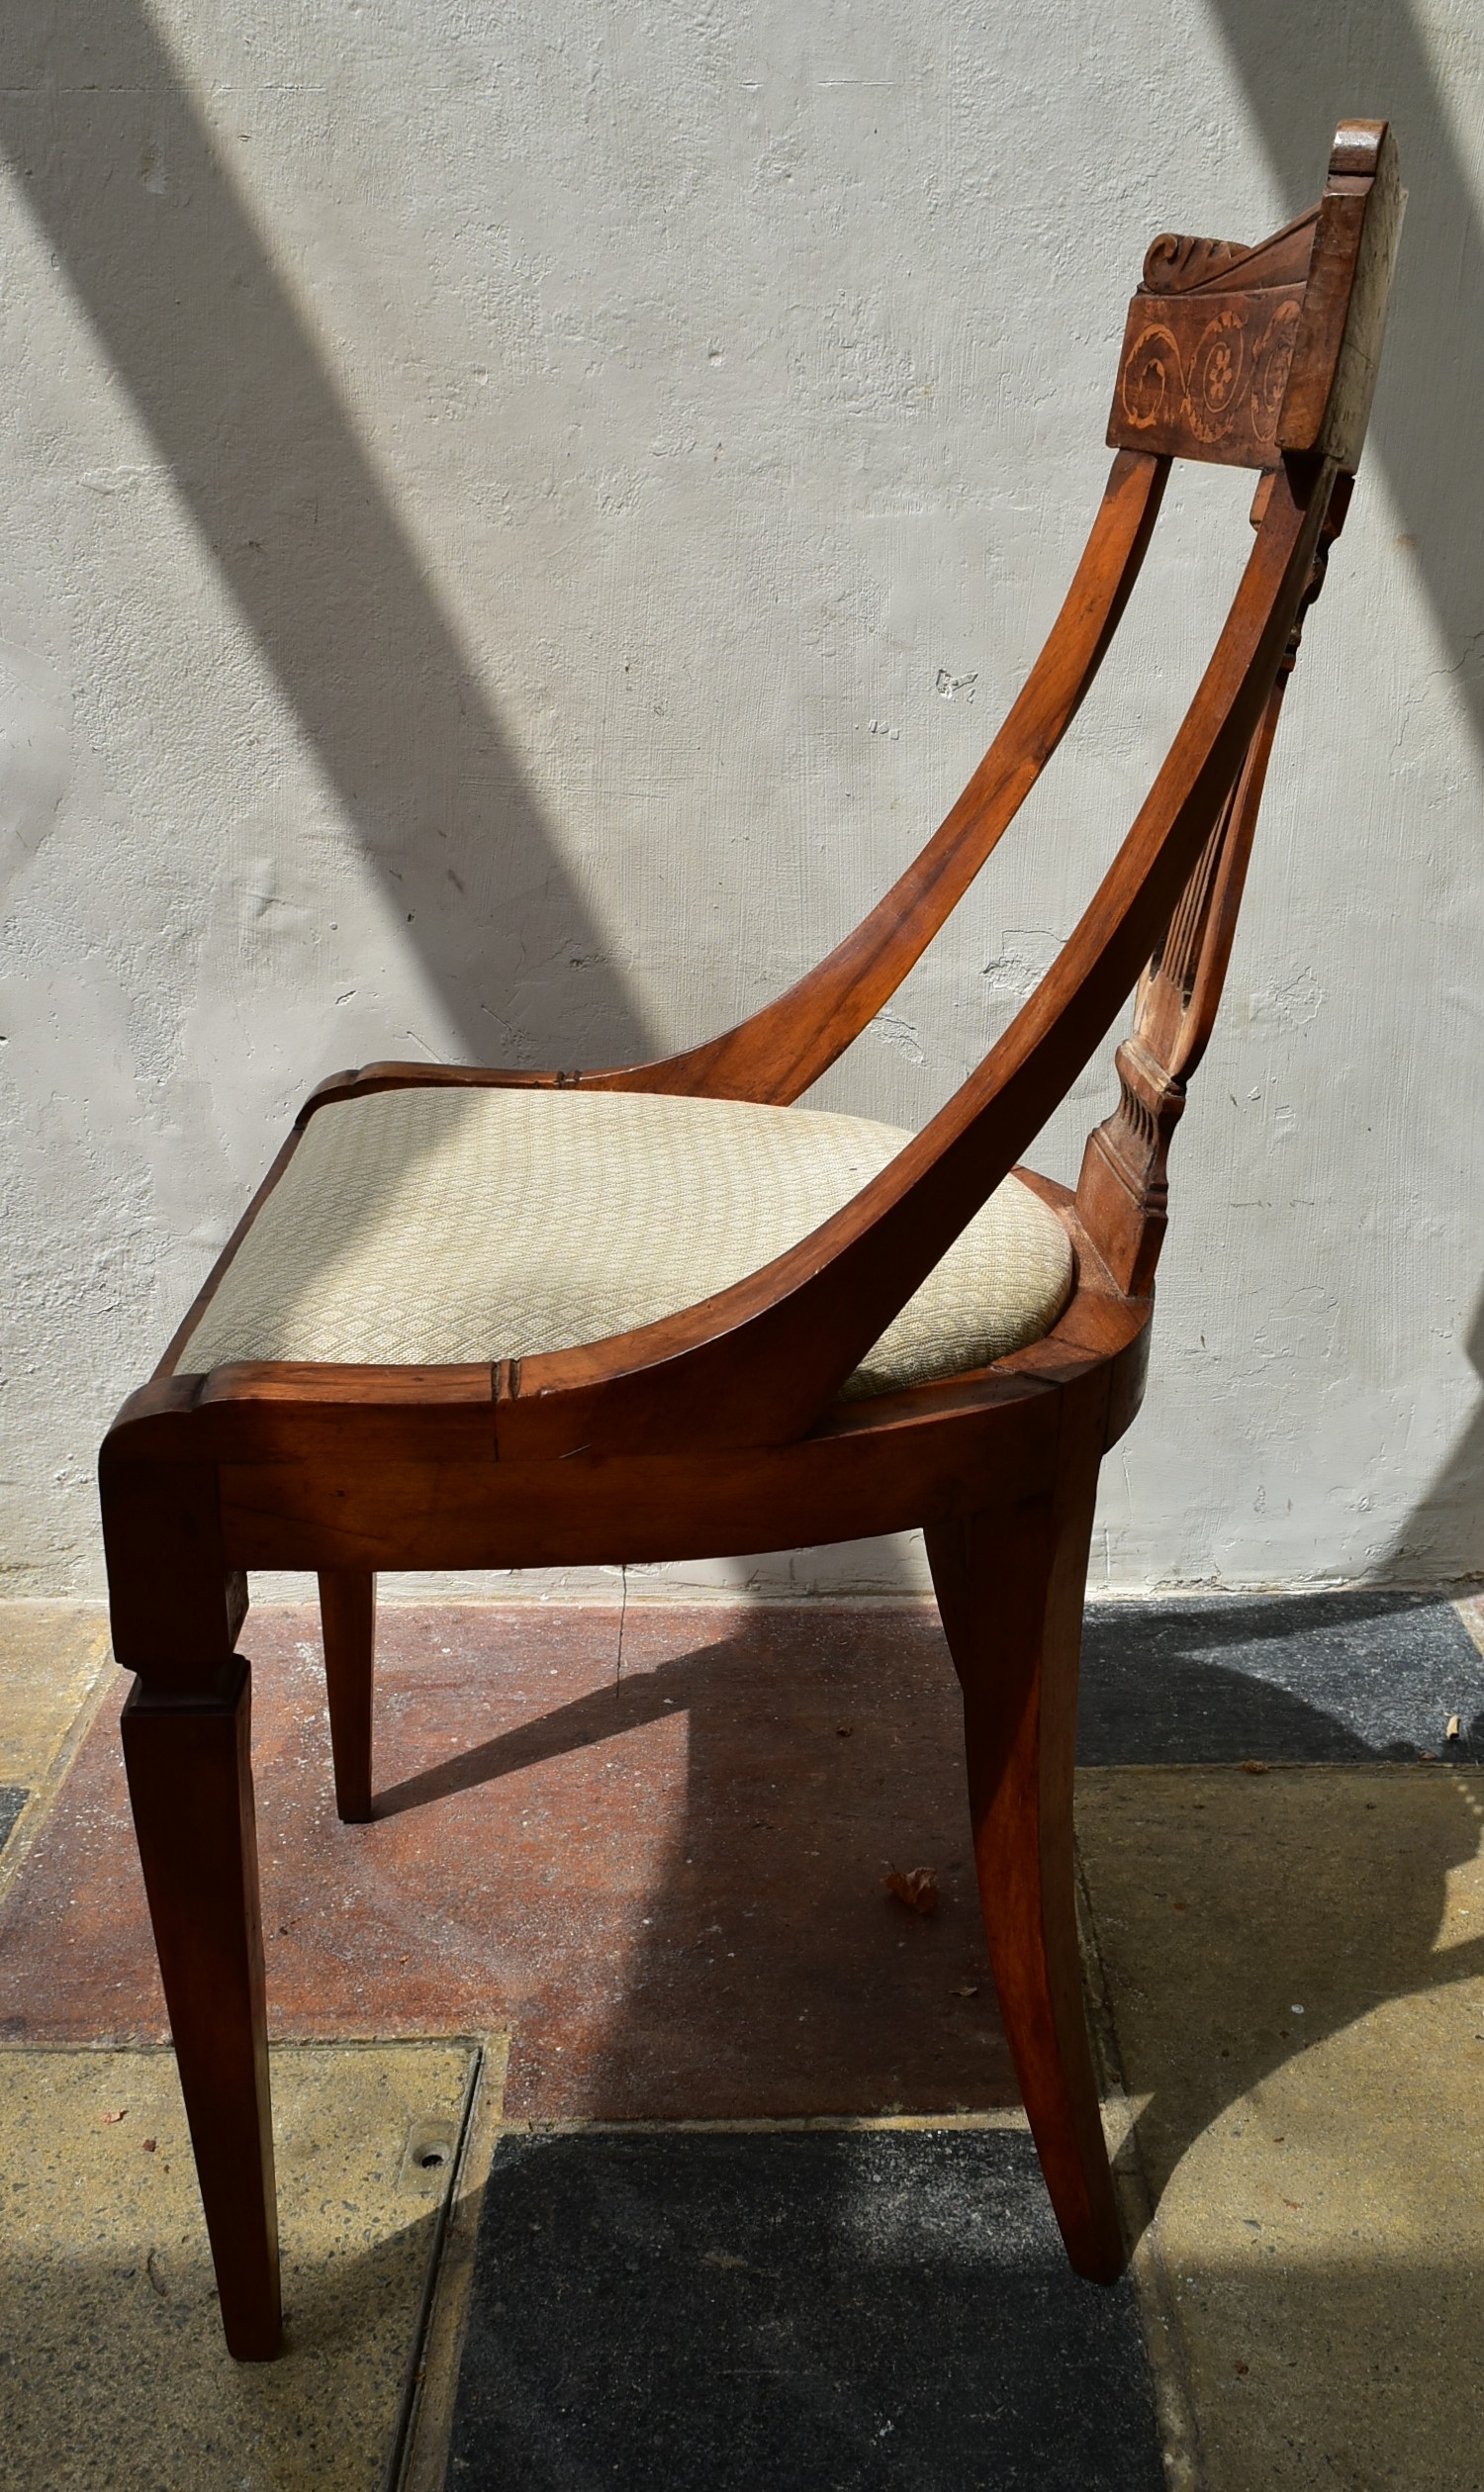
x,y
1311,1678
817,2311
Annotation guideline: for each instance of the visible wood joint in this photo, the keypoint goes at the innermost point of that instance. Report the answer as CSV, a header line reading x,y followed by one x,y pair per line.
x,y
238,1602
222,1692
1335,518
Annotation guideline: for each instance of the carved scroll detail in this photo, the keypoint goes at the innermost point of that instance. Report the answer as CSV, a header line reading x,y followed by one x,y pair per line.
x,y
1174,261
1192,263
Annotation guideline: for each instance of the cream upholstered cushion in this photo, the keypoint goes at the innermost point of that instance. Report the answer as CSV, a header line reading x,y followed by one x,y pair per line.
x,y
439,1226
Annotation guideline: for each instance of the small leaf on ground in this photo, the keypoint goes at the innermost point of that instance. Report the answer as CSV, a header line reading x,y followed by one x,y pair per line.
x,y
916,1888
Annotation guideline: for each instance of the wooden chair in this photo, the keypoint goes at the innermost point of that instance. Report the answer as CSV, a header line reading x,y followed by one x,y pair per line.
x,y
317,1410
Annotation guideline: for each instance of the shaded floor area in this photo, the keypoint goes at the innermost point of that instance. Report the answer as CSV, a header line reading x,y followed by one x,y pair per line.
x,y
762,2206
1328,1677
668,1886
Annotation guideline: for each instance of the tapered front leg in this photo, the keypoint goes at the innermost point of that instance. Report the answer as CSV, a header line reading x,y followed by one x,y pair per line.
x,y
1010,1587
347,1616
175,1610
190,1784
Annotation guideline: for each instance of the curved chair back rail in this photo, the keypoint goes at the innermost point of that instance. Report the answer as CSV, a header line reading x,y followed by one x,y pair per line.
x,y
759,1362
718,1427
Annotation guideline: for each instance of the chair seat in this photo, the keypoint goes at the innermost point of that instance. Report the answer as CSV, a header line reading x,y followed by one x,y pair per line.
x,y
439,1226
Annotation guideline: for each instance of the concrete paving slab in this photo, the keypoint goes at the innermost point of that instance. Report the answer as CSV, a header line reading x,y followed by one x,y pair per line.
x,y
1294,1960
112,2374
53,1659
1326,1678
51,1653
671,1888
815,2311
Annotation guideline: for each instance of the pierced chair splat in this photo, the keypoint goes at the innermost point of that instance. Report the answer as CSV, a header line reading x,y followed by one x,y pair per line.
x,y
483,1319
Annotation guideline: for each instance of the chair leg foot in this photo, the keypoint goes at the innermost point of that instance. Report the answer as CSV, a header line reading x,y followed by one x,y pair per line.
x,y
1010,1587
347,1615
190,1785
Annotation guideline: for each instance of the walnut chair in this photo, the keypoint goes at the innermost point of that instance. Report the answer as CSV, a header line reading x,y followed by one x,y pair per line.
x,y
485,1319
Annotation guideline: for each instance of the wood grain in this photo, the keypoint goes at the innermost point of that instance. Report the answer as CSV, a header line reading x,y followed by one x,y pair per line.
x,y
190,1787
1009,1582
1239,356
347,1617
718,1430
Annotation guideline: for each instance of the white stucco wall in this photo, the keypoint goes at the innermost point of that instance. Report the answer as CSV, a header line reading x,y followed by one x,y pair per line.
x,y
515,525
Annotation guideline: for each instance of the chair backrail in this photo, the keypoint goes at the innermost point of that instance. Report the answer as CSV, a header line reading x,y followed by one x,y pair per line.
x,y
759,1362
780,1051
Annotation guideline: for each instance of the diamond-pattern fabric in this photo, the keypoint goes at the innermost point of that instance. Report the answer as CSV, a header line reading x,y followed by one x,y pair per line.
x,y
439,1226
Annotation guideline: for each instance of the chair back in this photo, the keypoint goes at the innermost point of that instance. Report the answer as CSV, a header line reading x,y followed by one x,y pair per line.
x,y
1264,357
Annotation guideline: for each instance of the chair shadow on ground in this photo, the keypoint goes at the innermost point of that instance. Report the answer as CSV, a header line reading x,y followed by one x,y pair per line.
x,y
837,2000
774,1974
1341,1949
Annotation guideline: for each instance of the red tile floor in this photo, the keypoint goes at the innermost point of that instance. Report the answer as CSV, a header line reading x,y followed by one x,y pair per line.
x,y
666,1883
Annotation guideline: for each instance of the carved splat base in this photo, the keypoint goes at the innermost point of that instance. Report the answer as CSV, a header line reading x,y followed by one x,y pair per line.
x,y
1124,1187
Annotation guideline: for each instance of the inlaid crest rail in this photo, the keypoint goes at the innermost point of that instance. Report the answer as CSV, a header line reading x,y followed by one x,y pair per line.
x,y
1239,354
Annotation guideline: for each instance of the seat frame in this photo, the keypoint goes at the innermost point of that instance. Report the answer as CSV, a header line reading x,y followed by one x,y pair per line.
x,y
718,1431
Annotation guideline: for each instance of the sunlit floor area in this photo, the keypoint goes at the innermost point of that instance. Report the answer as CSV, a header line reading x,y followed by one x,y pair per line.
x,y
631,2130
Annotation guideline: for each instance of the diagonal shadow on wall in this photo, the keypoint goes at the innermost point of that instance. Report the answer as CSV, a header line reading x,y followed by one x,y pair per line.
x,y
1443,1538
234,393
121,171
1304,64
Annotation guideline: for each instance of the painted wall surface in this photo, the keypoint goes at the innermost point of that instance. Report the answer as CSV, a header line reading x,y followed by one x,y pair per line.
x,y
516,523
